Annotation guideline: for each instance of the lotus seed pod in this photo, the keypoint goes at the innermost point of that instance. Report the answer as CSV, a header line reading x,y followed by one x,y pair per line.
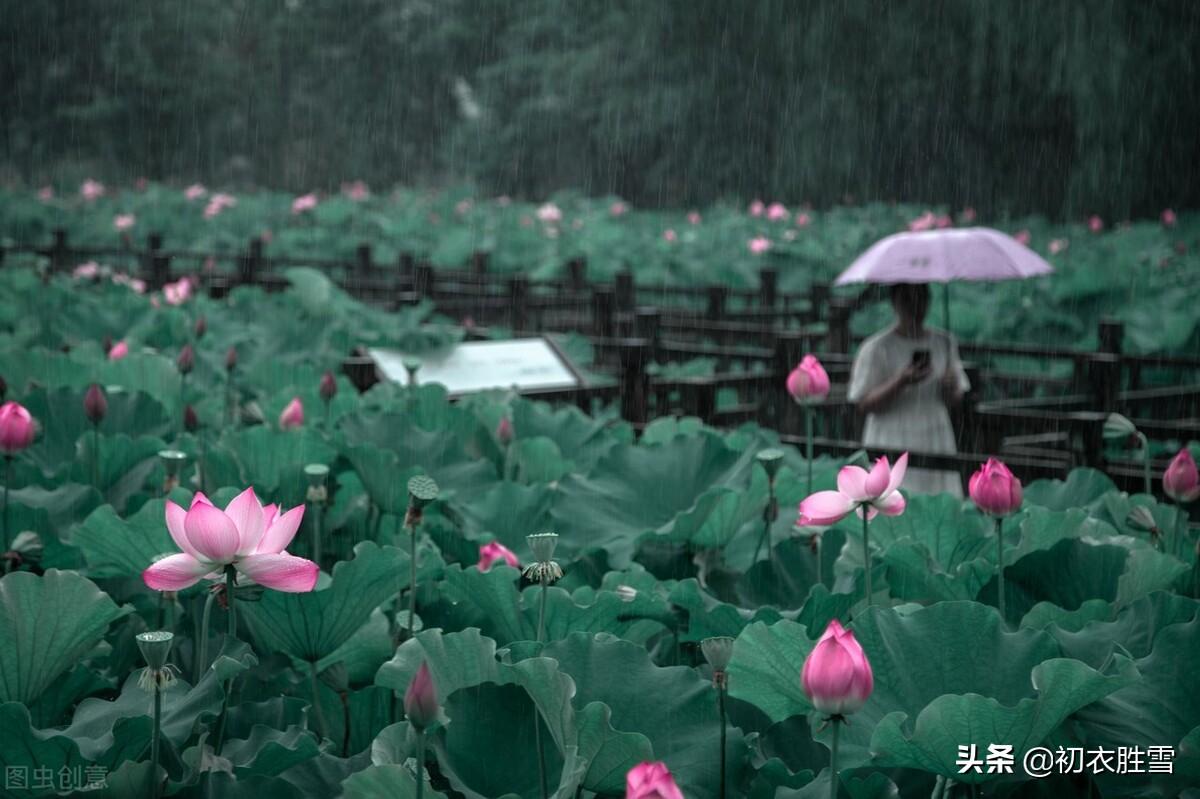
x,y
717,651
542,545
422,490
155,646
771,460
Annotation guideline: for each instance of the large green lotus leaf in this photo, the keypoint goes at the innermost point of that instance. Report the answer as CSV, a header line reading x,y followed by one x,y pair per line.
x,y
1082,488
116,547
1039,529
48,623
765,668
273,461
586,439
949,721
370,709
51,514
363,652
1131,633
312,625
391,780
1115,508
786,579
1044,614
268,751
151,374
641,490
709,616
24,748
506,511
125,465
1161,709
538,460
674,707
459,661
314,778
874,786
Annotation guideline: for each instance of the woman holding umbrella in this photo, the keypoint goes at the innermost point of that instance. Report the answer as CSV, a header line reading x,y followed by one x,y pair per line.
x,y
904,379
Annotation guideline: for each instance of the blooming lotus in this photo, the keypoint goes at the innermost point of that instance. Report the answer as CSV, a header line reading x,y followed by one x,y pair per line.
x,y
493,551
1181,481
777,212
86,271
860,491
759,245
194,191
292,415
118,351
1167,217
178,292
1095,224
91,190
549,213
123,222
837,675
651,781
1023,237
16,428
994,489
669,235
305,202
245,535
808,381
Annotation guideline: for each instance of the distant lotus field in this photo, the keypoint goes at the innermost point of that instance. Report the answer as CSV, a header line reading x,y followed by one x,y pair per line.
x,y
227,573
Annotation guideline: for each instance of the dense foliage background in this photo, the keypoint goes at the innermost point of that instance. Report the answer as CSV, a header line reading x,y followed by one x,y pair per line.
x,y
1063,108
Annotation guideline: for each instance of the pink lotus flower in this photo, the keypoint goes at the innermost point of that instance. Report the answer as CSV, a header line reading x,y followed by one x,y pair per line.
x,y
693,217
1167,217
245,535
877,491
943,221
356,190
837,676
327,387
138,286
491,552
118,351
759,245
218,203
1023,237
91,190
968,215
95,404
123,222
618,208
194,192
16,428
420,700
926,221
1058,245
776,212
177,293
756,208
86,271
504,431
462,207
651,781
1095,224
549,213
292,415
994,489
46,194
669,235
803,219
305,202
808,381
1181,482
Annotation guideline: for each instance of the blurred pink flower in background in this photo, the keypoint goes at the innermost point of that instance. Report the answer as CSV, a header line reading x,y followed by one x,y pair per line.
x,y
218,203
759,245
1167,217
91,190
194,191
46,194
292,415
178,292
118,351
693,217
803,219
356,190
305,202
925,221
123,222
86,270
669,235
757,208
943,221
1023,236
777,212
549,213
618,208
968,215
491,552
463,207
1095,223
1058,245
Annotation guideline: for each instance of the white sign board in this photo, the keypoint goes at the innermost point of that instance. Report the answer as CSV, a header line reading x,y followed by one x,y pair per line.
x,y
528,363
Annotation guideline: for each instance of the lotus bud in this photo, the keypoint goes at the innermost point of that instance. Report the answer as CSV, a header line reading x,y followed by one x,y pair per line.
x,y
95,404
292,415
994,489
16,428
231,359
808,382
191,422
118,351
1181,482
420,700
494,551
837,676
771,460
201,327
317,474
328,387
504,431
651,781
718,652
186,360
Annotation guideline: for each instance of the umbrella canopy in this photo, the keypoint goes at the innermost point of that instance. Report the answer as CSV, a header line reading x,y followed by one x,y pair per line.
x,y
939,256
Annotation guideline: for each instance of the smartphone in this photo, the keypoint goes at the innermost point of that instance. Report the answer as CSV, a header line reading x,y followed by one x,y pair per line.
x,y
920,358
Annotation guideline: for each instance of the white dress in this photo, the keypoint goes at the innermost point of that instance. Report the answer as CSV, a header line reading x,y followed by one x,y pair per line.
x,y
917,419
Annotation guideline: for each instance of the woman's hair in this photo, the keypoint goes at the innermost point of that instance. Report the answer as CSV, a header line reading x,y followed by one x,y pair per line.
x,y
910,295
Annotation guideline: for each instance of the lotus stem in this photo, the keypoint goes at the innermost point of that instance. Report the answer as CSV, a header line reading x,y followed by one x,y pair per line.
x,y
230,581
96,457
202,644
833,759
769,516
939,787
867,564
412,582
1146,482
345,724
8,459
817,552
202,466
537,727
157,790
318,713
1000,564
316,532
541,628
808,446
161,611
420,764
721,710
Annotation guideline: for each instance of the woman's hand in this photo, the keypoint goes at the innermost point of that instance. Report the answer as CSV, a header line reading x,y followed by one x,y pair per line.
x,y
883,395
914,373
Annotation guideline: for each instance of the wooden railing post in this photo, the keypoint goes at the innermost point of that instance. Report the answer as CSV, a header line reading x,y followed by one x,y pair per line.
x,y
626,294
699,398
718,297
518,302
423,281
633,355
60,251
818,300
406,263
1104,380
647,322
479,262
603,307
251,262
1111,332
782,410
363,266
577,273
157,265
768,283
838,338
